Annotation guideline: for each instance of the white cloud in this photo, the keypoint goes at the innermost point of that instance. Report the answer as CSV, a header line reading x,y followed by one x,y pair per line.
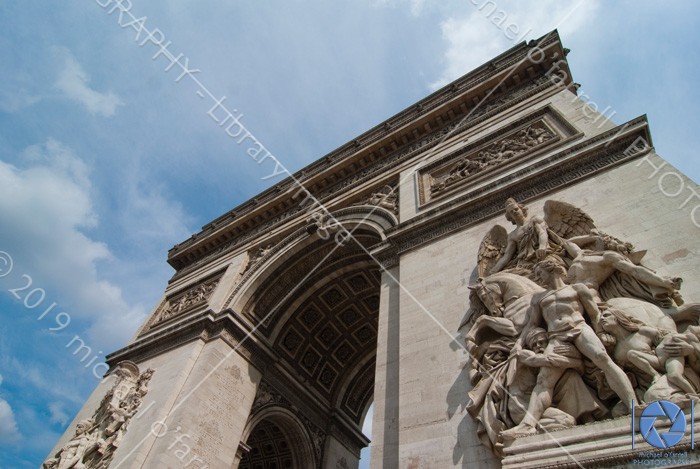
x,y
470,42
58,414
49,206
49,380
13,99
73,83
9,432
483,33
150,215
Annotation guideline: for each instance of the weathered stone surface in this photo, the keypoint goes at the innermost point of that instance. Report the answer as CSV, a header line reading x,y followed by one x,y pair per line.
x,y
287,317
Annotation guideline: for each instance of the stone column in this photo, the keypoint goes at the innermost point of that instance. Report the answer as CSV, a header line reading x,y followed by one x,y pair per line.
x,y
338,456
385,430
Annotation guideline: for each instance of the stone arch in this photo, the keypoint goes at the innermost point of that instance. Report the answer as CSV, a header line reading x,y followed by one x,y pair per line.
x,y
276,423
355,393
315,305
371,218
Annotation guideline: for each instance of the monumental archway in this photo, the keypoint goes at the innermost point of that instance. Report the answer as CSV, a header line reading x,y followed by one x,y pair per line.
x,y
315,298
278,328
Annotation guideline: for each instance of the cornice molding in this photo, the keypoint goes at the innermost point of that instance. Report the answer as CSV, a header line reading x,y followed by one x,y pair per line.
x,y
559,170
201,326
218,237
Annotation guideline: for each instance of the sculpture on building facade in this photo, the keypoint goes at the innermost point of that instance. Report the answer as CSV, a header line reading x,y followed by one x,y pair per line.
x,y
499,152
196,295
566,326
386,197
96,439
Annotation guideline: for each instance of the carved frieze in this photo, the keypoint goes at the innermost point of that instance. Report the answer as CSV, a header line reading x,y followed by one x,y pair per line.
x,y
184,301
494,153
497,153
97,438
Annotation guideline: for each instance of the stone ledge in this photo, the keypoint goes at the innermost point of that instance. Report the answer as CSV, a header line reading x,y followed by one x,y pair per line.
x,y
600,444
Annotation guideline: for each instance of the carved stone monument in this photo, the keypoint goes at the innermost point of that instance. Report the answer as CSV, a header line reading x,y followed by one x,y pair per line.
x,y
388,273
605,316
97,438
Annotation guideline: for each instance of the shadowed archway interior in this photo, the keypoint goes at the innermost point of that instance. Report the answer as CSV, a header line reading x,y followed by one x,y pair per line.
x,y
269,449
322,313
319,310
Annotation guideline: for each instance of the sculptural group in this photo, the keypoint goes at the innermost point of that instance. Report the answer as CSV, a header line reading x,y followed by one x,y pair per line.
x,y
97,438
567,326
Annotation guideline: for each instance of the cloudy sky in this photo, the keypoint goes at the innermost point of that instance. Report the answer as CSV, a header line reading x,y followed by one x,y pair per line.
x,y
106,161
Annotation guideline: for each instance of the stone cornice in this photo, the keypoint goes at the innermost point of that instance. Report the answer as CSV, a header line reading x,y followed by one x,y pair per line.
x,y
201,326
348,166
561,169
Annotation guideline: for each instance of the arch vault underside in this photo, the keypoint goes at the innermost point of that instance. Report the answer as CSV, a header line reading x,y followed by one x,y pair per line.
x,y
317,305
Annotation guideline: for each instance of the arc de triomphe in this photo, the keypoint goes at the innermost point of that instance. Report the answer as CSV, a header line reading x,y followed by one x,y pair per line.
x,y
383,278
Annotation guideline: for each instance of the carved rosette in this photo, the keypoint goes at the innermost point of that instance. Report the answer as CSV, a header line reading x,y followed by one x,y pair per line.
x,y
97,438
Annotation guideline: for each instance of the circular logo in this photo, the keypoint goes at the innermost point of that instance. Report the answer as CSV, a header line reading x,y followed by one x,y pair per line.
x,y
662,409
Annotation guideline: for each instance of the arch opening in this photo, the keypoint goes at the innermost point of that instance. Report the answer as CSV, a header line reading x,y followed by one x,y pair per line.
x,y
268,448
317,306
276,439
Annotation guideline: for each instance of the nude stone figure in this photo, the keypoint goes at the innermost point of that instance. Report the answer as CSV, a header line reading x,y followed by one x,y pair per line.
x,y
562,307
592,268
72,454
635,347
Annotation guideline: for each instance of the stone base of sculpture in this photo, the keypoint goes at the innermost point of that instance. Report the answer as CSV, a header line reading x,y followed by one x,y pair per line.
x,y
605,444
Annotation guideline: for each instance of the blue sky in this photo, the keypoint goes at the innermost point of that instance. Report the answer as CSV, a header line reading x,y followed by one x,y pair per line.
x,y
106,161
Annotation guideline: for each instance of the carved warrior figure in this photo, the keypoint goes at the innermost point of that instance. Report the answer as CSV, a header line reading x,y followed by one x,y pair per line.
x,y
386,198
97,439
572,399
611,256
604,328
495,154
82,443
635,348
526,244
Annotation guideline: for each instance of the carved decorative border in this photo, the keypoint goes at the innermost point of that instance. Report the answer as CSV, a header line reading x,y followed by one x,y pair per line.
x,y
546,118
566,167
297,235
390,161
